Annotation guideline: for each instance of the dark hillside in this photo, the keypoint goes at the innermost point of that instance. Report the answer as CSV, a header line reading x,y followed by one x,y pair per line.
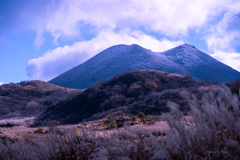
x,y
30,98
129,93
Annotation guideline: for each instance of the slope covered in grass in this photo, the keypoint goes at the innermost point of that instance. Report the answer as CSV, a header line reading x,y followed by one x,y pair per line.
x,y
30,98
212,133
129,93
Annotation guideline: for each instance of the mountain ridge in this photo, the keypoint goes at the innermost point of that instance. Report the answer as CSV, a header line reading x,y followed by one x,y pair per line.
x,y
183,59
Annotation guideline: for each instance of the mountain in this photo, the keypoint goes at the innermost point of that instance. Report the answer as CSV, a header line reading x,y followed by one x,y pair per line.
x,y
184,59
130,93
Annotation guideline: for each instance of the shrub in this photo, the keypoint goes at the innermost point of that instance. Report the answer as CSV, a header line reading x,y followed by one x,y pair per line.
x,y
141,115
133,117
39,131
111,122
150,85
32,106
234,86
158,117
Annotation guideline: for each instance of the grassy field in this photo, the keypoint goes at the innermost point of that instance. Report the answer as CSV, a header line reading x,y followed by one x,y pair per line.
x,y
211,131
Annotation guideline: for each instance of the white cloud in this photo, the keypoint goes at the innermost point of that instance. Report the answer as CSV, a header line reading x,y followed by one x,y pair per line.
x,y
39,39
229,58
1,83
168,17
55,62
134,19
225,35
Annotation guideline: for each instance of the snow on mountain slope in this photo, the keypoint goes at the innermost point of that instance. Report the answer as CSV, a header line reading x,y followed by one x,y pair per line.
x,y
185,55
200,65
184,59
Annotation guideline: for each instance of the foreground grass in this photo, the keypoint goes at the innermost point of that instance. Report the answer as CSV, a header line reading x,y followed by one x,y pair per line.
x,y
213,133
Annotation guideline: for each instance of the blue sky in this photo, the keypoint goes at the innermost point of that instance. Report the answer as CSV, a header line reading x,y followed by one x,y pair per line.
x,y
42,39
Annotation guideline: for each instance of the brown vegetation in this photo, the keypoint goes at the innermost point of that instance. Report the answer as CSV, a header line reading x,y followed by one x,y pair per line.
x,y
212,132
30,98
150,85
137,91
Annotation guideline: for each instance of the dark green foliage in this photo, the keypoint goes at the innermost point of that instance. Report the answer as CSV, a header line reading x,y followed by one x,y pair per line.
x,y
141,115
39,131
111,122
133,117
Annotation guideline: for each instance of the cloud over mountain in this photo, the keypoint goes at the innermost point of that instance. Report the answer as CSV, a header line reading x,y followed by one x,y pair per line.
x,y
166,23
168,17
224,37
61,59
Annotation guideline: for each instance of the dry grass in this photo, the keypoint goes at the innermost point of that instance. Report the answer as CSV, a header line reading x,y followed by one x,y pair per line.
x,y
211,132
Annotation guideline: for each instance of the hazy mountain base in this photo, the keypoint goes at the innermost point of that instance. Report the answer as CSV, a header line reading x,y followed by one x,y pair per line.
x,y
137,91
214,133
